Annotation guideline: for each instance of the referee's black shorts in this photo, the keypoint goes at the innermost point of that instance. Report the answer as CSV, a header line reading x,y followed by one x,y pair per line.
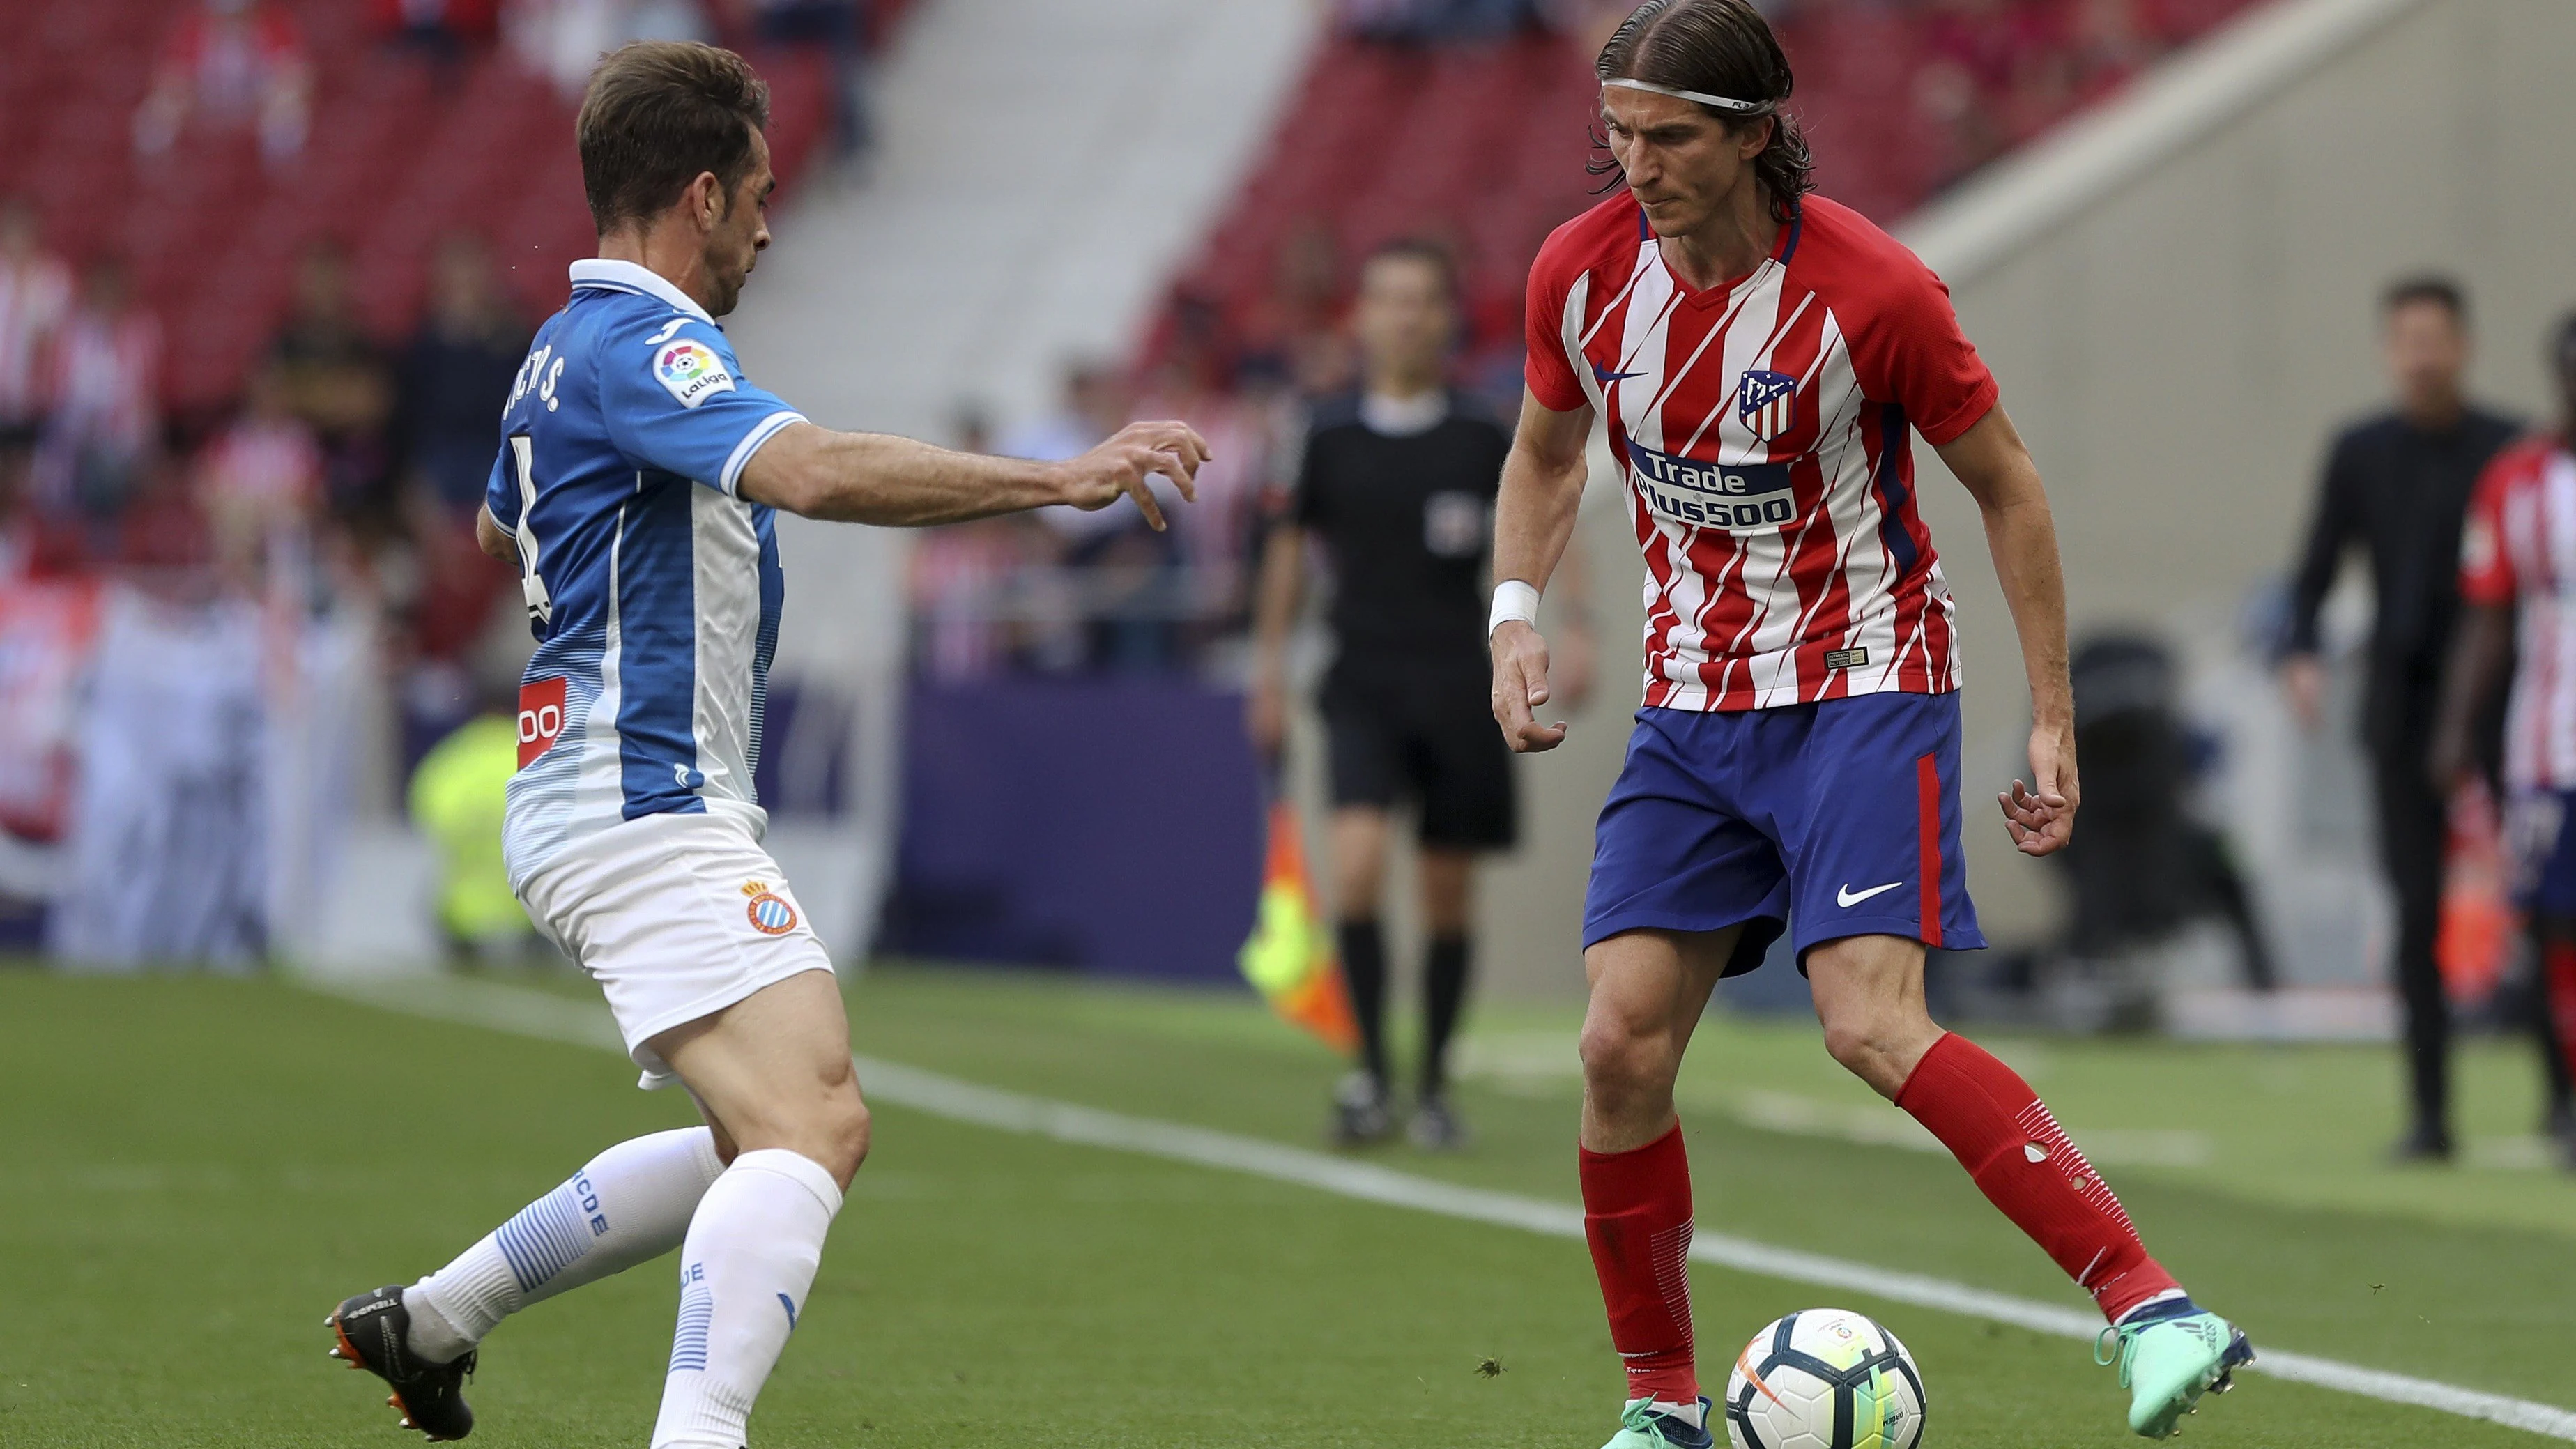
x,y
1401,729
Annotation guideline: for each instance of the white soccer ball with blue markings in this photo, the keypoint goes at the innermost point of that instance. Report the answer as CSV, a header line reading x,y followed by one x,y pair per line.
x,y
1824,1378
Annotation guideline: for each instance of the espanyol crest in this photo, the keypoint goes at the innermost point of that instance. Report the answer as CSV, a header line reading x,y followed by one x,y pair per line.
x,y
1767,403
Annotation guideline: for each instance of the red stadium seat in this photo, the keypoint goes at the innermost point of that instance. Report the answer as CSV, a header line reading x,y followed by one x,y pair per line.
x,y
1484,144
401,150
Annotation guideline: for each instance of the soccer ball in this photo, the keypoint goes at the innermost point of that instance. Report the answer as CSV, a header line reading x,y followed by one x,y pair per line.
x,y
1824,1378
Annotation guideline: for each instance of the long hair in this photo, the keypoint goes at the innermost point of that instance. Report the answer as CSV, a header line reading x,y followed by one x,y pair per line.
x,y
1722,48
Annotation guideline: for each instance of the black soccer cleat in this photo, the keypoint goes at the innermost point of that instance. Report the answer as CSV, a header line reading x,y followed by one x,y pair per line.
x,y
1360,1114
373,1333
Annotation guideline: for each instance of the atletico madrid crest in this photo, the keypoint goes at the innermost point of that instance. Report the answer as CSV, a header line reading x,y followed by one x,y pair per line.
x,y
1767,403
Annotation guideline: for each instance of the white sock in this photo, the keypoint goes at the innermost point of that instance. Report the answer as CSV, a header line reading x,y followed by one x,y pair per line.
x,y
2167,1296
1689,1413
629,1205
744,1272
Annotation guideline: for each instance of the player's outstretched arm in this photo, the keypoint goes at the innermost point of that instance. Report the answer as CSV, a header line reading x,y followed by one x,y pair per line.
x,y
1991,460
1542,489
877,478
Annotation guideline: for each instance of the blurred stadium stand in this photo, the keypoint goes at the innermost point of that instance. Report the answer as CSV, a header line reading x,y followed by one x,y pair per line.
x,y
403,148
2166,254
1479,143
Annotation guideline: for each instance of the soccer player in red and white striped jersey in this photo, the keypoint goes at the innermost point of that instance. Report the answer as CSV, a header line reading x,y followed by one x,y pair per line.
x,y
1761,358
2518,568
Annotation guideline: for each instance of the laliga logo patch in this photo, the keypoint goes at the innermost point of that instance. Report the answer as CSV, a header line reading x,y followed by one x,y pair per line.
x,y
691,372
1767,403
771,915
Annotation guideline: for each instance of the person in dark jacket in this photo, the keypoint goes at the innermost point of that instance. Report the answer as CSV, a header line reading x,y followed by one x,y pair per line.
x,y
2397,485
456,374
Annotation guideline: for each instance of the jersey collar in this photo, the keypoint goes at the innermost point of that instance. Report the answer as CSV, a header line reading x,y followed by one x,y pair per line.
x,y
616,276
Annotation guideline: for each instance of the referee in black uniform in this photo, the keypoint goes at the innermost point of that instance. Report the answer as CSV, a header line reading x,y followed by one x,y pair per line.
x,y
1399,483
2397,486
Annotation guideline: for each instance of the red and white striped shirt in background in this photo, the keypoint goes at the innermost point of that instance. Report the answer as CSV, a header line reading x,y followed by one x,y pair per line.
x,y
1762,428
2519,550
35,297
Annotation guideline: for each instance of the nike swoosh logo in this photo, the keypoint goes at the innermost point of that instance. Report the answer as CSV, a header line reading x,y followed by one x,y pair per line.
x,y
1605,377
1848,898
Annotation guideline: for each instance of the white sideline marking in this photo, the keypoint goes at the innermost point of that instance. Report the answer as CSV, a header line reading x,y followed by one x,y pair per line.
x,y
557,1018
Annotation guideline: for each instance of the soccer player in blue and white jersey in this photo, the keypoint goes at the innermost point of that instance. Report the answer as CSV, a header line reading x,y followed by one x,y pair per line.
x,y
637,481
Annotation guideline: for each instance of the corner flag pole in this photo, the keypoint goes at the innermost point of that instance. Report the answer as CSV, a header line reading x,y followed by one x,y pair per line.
x,y
1289,957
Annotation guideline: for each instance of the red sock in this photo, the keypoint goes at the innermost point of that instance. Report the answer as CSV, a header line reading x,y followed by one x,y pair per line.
x,y
2558,964
2003,1134
1637,1214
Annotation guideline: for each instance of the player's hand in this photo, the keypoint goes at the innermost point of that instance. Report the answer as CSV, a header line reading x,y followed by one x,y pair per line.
x,y
1520,687
1265,712
2452,761
1123,466
2040,816
2303,682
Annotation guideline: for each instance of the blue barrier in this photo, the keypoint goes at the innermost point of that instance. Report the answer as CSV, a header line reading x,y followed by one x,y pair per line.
x,y
1109,826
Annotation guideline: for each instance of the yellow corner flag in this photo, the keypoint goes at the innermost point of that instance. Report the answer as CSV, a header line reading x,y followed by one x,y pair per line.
x,y
1290,955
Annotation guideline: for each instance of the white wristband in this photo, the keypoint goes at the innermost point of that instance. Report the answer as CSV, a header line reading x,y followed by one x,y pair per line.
x,y
1513,599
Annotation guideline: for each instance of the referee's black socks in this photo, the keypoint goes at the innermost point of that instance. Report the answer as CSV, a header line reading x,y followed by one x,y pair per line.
x,y
1444,994
1363,949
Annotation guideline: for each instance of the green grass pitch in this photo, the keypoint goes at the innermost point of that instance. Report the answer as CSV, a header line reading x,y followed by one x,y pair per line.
x,y
195,1170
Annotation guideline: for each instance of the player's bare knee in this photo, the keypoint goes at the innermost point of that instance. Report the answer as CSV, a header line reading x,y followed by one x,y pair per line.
x,y
1872,1048
850,1131
1623,1065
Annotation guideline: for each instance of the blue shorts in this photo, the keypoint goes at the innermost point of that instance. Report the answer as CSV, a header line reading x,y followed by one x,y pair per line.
x,y
2542,852
1841,817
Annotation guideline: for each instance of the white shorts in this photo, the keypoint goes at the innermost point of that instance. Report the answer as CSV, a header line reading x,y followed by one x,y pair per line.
x,y
677,917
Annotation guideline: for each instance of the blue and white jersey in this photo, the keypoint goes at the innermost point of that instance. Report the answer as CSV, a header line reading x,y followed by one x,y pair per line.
x,y
652,586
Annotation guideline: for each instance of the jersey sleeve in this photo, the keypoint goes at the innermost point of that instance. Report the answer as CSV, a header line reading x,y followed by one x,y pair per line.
x,y
501,494
2486,565
1913,354
1549,371
675,400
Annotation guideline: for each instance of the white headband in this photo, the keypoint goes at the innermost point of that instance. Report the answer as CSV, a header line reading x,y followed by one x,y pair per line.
x,y
1723,103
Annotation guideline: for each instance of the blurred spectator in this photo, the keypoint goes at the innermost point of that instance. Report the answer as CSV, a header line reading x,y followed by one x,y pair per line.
x,y
106,421
964,580
261,476
456,374
836,28
35,298
565,38
1131,590
442,28
1215,533
2397,484
1437,20
230,63
336,381
1291,334
2108,45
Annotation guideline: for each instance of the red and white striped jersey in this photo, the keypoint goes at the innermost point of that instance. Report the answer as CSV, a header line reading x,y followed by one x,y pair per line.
x,y
2519,548
1761,425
